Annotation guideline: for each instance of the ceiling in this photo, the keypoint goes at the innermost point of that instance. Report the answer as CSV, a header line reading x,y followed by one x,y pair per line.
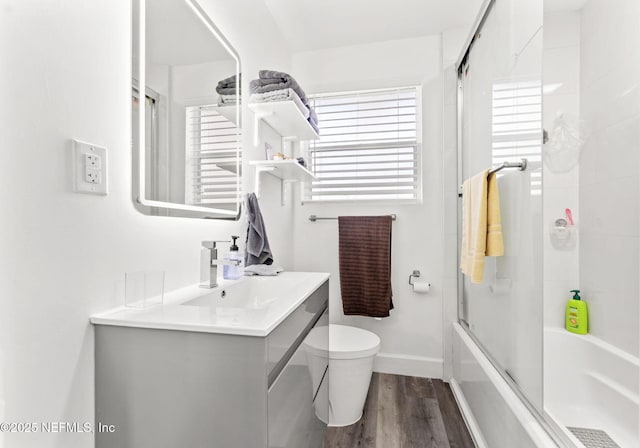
x,y
317,24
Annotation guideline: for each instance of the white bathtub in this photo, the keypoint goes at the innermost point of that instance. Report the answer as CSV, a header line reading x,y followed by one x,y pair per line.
x,y
589,383
494,413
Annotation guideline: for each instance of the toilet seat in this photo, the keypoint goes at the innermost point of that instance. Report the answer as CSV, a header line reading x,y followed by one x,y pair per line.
x,y
344,342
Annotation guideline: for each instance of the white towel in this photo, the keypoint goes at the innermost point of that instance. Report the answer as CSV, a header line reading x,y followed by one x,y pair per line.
x,y
263,269
225,100
280,95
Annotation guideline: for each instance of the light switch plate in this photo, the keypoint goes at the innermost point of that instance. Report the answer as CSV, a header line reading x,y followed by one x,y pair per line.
x,y
89,168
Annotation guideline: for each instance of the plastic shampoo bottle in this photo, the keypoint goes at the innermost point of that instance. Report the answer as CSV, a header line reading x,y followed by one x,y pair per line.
x,y
233,271
577,315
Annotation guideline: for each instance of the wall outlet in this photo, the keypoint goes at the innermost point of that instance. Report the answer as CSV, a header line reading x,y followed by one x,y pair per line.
x,y
93,176
90,168
93,161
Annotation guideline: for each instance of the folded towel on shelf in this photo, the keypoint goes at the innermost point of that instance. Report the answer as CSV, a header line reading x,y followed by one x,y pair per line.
x,y
273,80
257,245
280,95
365,265
228,85
227,100
481,234
313,118
263,269
314,125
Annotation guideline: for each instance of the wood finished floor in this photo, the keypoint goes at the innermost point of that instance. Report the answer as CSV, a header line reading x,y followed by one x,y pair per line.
x,y
405,412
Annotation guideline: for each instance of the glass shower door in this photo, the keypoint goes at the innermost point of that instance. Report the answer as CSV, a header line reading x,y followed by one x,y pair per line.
x,y
501,87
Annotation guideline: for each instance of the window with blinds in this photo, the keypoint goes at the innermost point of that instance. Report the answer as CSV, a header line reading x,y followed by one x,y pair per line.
x,y
213,167
369,146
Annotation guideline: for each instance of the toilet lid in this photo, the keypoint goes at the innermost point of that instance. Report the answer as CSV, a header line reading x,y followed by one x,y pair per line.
x,y
344,342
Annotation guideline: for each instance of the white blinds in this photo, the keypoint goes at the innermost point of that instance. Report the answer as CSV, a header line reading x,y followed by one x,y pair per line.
x,y
213,158
368,147
517,125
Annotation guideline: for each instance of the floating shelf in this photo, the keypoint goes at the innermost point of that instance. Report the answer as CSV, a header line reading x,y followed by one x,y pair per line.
x,y
288,171
285,118
229,111
284,169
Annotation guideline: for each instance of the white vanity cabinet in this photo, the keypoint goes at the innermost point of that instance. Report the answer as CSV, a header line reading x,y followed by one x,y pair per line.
x,y
164,388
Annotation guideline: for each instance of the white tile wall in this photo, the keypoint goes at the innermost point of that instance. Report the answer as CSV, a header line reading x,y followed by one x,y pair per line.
x,y
561,77
609,167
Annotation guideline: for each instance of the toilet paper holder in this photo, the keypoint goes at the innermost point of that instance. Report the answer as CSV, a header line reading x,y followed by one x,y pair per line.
x,y
415,274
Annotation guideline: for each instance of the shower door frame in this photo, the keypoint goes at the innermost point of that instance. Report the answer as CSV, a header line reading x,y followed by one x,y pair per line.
x,y
547,423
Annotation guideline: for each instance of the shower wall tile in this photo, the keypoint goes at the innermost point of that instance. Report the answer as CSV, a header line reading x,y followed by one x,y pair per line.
x,y
612,98
610,207
619,156
610,34
561,30
561,79
562,70
609,166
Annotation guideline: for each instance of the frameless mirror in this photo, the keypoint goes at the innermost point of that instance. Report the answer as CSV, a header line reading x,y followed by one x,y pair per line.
x,y
186,127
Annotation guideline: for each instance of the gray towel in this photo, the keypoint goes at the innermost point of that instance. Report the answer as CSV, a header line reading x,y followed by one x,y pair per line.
x,y
314,125
272,80
258,250
313,118
228,86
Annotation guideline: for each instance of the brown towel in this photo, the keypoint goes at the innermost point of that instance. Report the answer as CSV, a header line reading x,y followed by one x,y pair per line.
x,y
365,265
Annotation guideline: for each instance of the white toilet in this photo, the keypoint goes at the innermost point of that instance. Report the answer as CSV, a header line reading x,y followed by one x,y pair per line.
x,y
350,357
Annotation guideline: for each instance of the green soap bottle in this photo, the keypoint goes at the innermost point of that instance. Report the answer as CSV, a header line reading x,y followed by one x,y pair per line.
x,y
577,315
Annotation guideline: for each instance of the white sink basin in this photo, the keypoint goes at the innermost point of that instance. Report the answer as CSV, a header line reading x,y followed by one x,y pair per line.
x,y
249,292
251,306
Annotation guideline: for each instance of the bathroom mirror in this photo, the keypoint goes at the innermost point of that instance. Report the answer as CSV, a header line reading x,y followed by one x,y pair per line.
x,y
186,130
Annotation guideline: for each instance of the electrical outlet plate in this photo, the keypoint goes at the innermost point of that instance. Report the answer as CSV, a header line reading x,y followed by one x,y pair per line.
x,y
89,168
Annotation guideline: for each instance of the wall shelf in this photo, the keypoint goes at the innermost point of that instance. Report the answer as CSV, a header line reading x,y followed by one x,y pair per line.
x,y
285,118
288,171
229,111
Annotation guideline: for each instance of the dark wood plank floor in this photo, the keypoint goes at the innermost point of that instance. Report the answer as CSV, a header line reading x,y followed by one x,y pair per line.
x,y
405,412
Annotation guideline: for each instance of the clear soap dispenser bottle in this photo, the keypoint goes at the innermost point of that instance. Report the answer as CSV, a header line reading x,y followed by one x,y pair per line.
x,y
235,269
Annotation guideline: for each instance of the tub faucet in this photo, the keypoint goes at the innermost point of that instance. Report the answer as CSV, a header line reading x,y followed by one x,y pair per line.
x,y
209,263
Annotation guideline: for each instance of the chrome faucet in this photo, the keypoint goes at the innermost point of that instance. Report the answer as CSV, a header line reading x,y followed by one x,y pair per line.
x,y
209,264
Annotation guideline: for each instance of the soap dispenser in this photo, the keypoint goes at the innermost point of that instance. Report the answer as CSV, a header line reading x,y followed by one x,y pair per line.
x,y
233,271
577,316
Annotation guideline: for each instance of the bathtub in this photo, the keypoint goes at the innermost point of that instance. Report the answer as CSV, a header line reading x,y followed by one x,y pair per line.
x,y
495,415
592,384
587,383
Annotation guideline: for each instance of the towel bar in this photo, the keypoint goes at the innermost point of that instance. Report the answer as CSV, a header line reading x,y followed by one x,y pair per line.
x,y
522,165
314,218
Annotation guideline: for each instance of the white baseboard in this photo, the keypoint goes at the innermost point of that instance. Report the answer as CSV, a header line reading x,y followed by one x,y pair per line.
x,y
467,415
408,365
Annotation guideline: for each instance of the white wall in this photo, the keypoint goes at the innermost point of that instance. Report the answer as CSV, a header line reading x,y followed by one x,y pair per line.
x,y
561,80
609,167
412,336
66,74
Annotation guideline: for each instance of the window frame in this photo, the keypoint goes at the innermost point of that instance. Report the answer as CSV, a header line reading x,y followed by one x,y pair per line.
x,y
306,194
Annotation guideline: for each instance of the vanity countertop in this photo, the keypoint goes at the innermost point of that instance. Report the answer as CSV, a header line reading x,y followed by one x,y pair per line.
x,y
251,306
